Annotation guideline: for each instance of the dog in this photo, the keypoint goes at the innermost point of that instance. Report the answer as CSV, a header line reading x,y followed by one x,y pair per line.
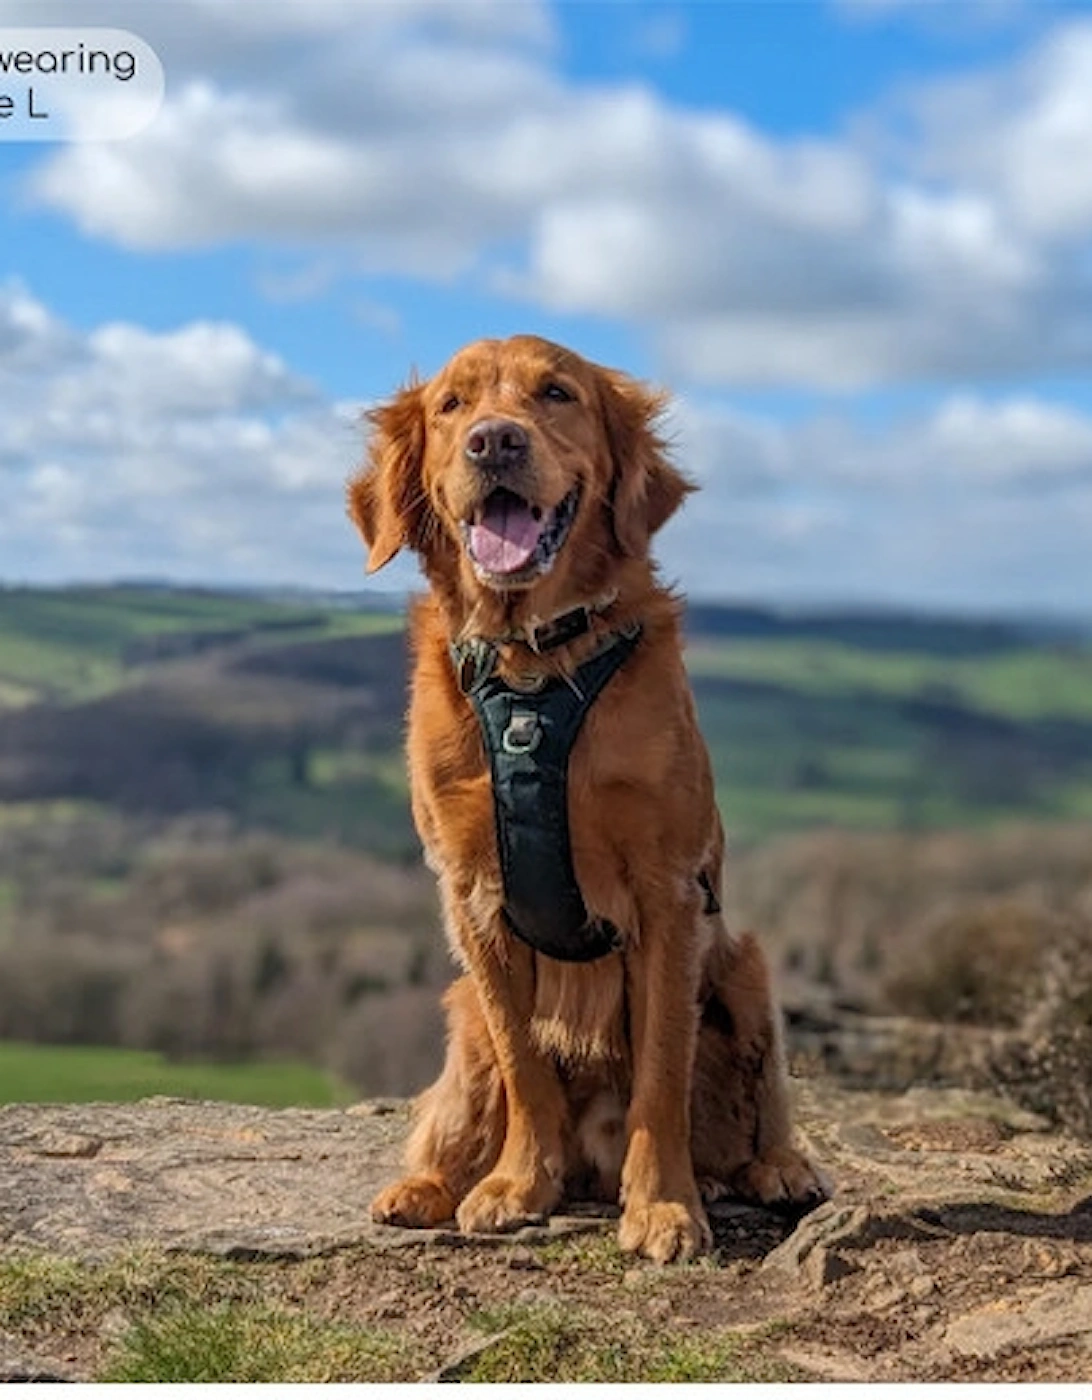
x,y
610,1038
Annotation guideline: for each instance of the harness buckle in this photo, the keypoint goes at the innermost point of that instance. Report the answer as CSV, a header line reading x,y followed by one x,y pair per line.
x,y
523,733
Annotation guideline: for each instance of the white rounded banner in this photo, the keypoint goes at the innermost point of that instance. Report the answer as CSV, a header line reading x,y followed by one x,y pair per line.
x,y
76,84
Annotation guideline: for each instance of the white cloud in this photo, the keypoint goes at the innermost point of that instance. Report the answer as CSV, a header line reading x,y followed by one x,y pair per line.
x,y
1019,440
29,336
964,443
1021,136
976,504
423,146
220,166
946,552
192,453
202,369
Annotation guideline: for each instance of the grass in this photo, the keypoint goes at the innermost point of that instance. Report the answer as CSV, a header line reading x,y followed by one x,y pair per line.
x,y
255,1343
156,1318
1034,682
12,696
786,759
70,644
818,667
355,798
89,1074
550,1342
185,1318
39,1291
28,815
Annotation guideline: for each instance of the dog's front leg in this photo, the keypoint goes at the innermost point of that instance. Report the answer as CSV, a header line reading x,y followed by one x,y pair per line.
x,y
526,1181
663,1216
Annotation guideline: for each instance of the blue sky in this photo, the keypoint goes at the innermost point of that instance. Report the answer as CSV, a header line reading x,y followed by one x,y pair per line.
x,y
852,237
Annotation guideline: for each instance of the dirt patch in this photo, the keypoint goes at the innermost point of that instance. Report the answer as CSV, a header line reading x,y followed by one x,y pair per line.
x,y
965,1135
958,1247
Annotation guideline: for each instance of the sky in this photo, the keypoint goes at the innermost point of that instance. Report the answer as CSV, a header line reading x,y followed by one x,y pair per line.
x,y
852,238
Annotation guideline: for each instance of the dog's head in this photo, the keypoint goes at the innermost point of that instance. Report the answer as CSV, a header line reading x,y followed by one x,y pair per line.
x,y
519,468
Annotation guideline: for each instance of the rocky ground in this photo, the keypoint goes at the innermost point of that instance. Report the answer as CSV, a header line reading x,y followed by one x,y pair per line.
x,y
958,1246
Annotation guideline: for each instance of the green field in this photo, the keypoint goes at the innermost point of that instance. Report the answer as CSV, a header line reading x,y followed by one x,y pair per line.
x,y
71,644
806,732
90,1074
1030,683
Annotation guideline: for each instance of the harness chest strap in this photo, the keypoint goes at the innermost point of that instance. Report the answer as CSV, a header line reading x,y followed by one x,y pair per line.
x,y
528,737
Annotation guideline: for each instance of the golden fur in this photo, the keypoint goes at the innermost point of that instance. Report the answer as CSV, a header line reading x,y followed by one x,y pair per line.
x,y
655,1074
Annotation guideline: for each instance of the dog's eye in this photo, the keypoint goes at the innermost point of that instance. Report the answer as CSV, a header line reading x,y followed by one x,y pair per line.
x,y
556,392
450,404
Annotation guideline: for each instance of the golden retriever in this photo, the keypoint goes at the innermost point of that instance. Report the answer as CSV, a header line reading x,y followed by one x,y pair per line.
x,y
529,482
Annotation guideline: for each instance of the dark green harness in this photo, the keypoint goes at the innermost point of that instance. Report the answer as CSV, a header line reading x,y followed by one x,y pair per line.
x,y
528,737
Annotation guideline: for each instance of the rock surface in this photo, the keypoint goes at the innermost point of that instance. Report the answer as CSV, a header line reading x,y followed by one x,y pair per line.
x,y
958,1244
223,1178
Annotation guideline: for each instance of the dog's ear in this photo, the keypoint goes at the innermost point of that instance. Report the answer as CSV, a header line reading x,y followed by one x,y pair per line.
x,y
386,500
646,490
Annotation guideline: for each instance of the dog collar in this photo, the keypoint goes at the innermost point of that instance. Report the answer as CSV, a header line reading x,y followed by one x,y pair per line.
x,y
475,658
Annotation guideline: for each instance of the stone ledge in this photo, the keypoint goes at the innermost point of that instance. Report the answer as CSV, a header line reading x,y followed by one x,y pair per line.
x,y
958,1245
248,1182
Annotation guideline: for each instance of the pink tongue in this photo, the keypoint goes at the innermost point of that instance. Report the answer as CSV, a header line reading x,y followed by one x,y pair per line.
x,y
506,536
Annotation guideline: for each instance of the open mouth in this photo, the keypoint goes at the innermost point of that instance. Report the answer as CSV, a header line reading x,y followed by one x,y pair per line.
x,y
510,540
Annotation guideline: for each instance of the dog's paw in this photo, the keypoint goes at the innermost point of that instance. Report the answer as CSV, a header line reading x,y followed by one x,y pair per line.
x,y
782,1176
664,1231
501,1203
416,1202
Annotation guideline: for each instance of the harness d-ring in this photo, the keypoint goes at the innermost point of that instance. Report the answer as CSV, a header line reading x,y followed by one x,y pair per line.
x,y
523,734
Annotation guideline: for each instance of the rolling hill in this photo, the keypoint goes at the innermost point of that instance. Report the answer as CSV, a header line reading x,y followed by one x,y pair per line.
x,y
206,849
287,715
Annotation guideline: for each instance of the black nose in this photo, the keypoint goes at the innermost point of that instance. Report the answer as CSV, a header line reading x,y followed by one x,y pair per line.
x,y
497,443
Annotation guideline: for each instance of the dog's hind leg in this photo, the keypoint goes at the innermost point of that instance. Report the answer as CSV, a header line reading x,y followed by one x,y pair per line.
x,y
741,1129
459,1127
